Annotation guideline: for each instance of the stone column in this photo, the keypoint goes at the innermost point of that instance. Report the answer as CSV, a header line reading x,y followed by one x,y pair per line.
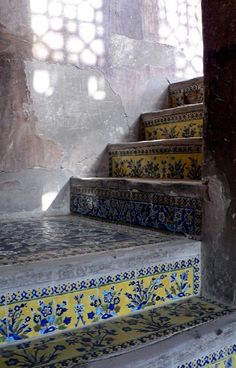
x,y
219,228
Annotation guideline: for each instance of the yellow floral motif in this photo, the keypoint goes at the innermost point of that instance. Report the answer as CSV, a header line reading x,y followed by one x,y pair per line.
x,y
182,129
159,166
82,345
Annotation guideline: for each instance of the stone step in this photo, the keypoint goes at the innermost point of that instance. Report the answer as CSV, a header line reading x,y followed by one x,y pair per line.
x,y
160,159
180,122
186,92
155,338
174,206
209,345
64,273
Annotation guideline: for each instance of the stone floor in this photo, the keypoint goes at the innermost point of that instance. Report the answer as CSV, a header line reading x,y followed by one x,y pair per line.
x,y
35,239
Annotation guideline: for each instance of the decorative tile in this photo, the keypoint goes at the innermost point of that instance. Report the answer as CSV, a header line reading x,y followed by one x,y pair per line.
x,y
65,236
185,129
116,335
169,213
3,323
172,162
161,288
31,318
181,122
77,308
224,358
112,295
188,92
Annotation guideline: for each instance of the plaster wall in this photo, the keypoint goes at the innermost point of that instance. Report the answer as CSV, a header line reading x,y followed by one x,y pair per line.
x,y
75,76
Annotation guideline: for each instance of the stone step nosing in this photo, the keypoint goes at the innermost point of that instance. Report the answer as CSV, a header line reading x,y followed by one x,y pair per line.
x,y
186,86
173,115
175,145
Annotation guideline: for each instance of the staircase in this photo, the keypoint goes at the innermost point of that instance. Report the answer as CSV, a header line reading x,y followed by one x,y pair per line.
x,y
120,284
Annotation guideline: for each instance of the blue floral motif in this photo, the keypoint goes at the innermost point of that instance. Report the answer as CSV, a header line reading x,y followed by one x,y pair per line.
x,y
143,297
16,326
178,289
107,306
49,320
79,310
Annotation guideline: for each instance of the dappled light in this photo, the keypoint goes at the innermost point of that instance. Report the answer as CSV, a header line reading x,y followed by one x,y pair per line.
x,y
96,88
181,27
68,31
42,83
47,199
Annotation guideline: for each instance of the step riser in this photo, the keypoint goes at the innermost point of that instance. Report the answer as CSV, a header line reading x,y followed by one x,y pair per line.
x,y
158,163
187,92
182,129
27,313
176,214
91,346
181,122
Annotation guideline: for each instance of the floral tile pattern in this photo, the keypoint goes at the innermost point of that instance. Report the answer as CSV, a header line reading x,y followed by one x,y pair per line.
x,y
224,358
180,162
42,311
185,93
117,335
185,129
181,215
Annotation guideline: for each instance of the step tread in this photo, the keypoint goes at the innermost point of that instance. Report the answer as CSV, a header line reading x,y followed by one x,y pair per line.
x,y
121,180
173,188
76,246
184,109
68,236
186,83
156,143
121,335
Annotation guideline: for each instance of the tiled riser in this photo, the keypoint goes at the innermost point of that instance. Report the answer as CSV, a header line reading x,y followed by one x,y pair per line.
x,y
183,93
37,312
184,129
74,348
159,166
183,216
225,358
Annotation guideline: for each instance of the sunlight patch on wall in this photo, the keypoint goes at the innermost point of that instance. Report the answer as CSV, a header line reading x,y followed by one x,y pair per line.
x,y
181,27
41,82
47,199
96,88
68,31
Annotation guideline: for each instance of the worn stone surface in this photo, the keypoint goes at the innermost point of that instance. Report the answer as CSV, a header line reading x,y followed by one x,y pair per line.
x,y
219,252
80,248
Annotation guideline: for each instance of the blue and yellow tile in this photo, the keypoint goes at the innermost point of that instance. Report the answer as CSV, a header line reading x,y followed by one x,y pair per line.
x,y
117,336
179,165
112,295
76,308
31,318
224,358
3,320
181,129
